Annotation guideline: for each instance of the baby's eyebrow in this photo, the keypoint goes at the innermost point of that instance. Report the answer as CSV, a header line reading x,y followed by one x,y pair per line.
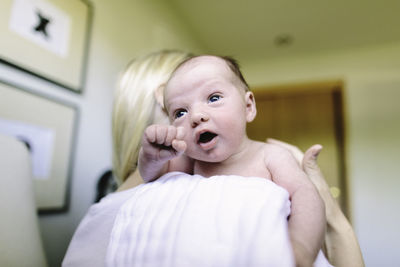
x,y
170,108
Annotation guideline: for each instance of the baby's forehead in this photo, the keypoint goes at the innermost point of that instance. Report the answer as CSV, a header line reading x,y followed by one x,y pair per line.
x,y
196,72
206,61
199,70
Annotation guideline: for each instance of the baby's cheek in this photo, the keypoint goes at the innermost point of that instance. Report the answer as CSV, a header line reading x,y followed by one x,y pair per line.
x,y
236,130
234,124
181,121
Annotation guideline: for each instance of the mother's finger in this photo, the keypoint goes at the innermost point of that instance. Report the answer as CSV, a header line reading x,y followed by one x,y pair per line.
x,y
310,159
312,169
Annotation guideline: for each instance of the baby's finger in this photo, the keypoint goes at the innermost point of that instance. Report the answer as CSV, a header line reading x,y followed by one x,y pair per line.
x,y
161,134
171,134
179,146
150,133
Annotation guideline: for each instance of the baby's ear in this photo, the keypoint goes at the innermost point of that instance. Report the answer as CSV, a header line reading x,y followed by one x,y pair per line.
x,y
159,96
251,110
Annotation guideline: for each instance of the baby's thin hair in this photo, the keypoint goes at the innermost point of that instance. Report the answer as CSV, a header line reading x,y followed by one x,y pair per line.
x,y
232,63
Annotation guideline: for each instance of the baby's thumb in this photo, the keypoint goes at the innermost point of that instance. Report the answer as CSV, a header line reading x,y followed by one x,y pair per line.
x,y
179,146
180,133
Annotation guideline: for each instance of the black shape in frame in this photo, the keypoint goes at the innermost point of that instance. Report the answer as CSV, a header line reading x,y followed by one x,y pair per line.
x,y
43,23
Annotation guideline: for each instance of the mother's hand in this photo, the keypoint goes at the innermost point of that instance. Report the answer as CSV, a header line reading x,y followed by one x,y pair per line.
x,y
341,246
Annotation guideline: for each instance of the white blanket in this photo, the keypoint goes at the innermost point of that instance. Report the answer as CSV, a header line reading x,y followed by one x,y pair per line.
x,y
188,220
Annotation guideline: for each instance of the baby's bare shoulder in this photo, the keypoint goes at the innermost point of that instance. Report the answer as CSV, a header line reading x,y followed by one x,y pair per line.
x,y
257,148
274,153
273,149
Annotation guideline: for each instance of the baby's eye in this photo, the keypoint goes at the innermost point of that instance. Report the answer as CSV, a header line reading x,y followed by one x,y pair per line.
x,y
179,113
214,98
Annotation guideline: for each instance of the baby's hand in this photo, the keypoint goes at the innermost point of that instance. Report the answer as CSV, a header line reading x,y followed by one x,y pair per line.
x,y
163,142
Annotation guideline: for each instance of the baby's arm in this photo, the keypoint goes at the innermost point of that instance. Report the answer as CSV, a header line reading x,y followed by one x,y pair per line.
x,y
162,151
307,220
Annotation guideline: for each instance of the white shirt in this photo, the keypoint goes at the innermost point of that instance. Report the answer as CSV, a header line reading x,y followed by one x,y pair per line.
x,y
89,243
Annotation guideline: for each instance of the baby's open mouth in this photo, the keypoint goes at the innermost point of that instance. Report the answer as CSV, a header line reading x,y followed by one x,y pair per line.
x,y
206,137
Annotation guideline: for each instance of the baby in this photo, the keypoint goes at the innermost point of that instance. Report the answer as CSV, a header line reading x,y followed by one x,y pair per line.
x,y
209,104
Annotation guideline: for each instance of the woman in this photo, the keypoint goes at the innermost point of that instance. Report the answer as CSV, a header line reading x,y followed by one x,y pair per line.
x,y
135,106
138,103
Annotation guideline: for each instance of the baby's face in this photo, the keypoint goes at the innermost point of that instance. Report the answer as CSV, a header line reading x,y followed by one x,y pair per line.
x,y
206,98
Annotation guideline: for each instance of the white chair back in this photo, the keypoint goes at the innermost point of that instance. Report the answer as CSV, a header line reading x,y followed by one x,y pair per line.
x,y
20,240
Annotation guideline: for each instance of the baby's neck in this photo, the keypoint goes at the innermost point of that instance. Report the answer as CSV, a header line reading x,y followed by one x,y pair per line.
x,y
233,165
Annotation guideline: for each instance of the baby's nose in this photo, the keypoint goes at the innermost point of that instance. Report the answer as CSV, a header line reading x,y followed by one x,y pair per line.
x,y
199,117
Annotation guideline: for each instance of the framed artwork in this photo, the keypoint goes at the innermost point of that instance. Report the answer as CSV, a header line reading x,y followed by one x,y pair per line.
x,y
46,38
47,127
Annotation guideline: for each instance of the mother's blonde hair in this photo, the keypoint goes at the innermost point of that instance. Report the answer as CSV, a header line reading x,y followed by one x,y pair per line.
x,y
134,105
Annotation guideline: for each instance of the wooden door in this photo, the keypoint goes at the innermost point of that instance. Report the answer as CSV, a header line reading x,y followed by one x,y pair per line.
x,y
304,115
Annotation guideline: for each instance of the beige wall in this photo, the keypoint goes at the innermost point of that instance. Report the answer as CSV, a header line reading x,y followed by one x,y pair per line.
x,y
372,113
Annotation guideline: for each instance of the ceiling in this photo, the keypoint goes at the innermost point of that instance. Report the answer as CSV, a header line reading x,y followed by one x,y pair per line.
x,y
248,29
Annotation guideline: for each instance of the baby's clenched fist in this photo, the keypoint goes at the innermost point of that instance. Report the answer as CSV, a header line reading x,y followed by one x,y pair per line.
x,y
163,142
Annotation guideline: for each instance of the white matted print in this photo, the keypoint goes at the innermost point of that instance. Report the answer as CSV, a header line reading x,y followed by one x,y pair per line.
x,y
47,38
39,141
47,127
42,23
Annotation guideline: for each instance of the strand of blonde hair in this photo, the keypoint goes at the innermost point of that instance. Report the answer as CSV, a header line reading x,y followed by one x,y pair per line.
x,y
134,105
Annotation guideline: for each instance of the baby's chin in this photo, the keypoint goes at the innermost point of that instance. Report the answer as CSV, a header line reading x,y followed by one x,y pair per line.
x,y
207,156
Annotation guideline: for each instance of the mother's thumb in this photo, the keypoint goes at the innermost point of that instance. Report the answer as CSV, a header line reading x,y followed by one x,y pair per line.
x,y
309,163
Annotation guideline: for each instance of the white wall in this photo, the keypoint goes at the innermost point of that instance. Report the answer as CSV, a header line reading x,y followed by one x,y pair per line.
x,y
121,30
372,113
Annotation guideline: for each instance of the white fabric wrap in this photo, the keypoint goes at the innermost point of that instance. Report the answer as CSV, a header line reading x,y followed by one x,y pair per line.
x,y
188,220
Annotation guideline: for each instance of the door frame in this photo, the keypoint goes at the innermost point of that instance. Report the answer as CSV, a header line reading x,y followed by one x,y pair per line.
x,y
337,88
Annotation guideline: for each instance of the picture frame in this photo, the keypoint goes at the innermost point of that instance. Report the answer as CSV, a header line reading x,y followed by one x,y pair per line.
x,y
48,127
47,38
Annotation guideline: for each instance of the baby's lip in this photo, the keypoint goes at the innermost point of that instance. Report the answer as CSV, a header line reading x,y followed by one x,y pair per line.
x,y
205,136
